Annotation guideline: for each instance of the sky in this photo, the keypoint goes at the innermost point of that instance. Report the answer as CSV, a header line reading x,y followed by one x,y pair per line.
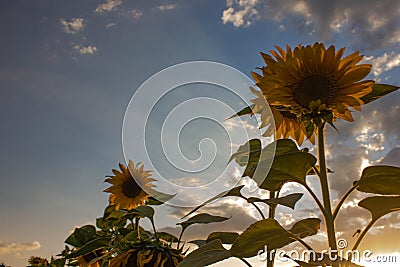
x,y
68,70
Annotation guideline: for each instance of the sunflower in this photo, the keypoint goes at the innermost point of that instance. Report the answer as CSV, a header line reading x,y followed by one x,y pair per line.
x,y
148,257
130,186
313,80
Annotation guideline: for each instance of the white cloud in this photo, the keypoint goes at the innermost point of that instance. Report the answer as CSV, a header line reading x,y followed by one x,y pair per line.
x,y
18,247
136,14
383,63
109,5
73,26
83,50
241,13
166,7
110,25
368,23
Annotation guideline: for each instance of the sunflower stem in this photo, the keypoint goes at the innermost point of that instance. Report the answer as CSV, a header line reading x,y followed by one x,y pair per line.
x,y
271,215
259,210
137,227
328,216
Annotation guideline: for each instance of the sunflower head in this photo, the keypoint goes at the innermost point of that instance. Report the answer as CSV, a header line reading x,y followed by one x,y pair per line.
x,y
145,256
130,186
314,82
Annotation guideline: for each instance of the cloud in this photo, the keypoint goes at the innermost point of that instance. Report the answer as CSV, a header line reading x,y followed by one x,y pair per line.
x,y
109,5
363,22
18,247
383,63
241,13
136,14
73,26
166,7
110,25
84,50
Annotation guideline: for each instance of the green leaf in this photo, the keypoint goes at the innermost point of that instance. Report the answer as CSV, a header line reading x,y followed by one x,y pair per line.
x,y
146,211
249,150
257,236
306,227
246,111
292,167
288,201
93,245
270,234
202,218
205,255
81,236
225,237
384,180
234,192
167,237
158,198
380,205
378,90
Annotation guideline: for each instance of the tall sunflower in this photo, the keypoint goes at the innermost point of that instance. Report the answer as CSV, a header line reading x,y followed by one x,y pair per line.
x,y
130,186
312,80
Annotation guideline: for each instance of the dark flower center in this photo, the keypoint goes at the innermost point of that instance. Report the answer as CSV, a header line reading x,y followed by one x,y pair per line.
x,y
313,88
130,188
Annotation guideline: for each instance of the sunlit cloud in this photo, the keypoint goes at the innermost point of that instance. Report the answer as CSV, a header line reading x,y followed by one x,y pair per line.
x,y
109,5
73,26
84,50
383,63
166,7
16,248
240,13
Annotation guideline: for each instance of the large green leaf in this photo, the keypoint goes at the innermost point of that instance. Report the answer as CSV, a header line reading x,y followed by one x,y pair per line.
x,y
202,218
146,211
380,205
384,180
246,152
93,245
378,90
234,192
292,167
270,234
306,227
225,237
288,201
81,236
205,255
257,236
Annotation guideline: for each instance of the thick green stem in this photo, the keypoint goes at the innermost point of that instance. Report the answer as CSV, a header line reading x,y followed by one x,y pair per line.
x,y
329,220
271,215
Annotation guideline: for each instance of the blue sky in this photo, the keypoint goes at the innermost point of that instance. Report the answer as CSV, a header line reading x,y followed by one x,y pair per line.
x,y
69,68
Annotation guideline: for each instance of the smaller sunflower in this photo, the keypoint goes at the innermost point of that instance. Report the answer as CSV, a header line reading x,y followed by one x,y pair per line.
x,y
130,186
148,257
